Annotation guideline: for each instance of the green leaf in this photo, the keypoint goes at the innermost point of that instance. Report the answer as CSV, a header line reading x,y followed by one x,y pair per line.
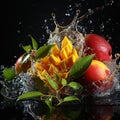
x,y
8,73
81,66
43,51
70,98
75,85
53,84
27,48
64,82
48,102
57,77
34,43
30,94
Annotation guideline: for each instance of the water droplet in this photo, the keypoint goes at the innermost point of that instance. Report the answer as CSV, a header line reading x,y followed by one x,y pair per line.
x,y
18,31
45,20
102,27
109,2
20,23
90,21
67,14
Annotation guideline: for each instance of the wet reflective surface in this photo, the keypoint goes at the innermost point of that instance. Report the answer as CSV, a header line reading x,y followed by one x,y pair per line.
x,y
67,112
34,17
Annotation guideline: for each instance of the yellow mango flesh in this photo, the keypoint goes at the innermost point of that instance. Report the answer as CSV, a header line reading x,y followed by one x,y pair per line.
x,y
66,42
59,61
55,50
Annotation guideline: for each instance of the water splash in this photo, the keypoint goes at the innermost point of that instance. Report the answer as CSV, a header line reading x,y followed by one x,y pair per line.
x,y
71,31
75,31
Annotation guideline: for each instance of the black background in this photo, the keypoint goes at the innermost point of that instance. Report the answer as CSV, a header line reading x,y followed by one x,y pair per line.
x,y
22,17
27,16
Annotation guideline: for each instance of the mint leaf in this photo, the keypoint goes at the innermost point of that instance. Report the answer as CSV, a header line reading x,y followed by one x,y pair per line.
x,y
64,82
27,48
70,98
8,73
43,51
75,85
48,102
30,94
34,43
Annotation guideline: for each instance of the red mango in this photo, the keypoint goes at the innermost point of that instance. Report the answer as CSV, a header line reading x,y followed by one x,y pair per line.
x,y
98,45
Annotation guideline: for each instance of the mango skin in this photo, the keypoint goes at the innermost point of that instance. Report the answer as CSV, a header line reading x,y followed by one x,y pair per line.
x,y
97,71
97,77
22,67
98,45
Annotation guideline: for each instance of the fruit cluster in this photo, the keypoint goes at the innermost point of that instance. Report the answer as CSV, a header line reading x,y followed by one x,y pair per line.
x,y
97,77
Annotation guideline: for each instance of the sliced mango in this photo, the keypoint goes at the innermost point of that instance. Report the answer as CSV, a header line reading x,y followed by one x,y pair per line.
x,y
63,74
45,59
42,75
74,52
68,50
63,65
70,61
54,59
63,54
52,69
45,63
59,62
39,66
66,42
55,50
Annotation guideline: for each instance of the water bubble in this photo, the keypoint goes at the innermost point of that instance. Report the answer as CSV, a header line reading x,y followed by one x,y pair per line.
x,y
102,27
108,20
15,56
90,21
108,37
77,5
18,31
67,14
69,8
48,31
109,2
20,22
